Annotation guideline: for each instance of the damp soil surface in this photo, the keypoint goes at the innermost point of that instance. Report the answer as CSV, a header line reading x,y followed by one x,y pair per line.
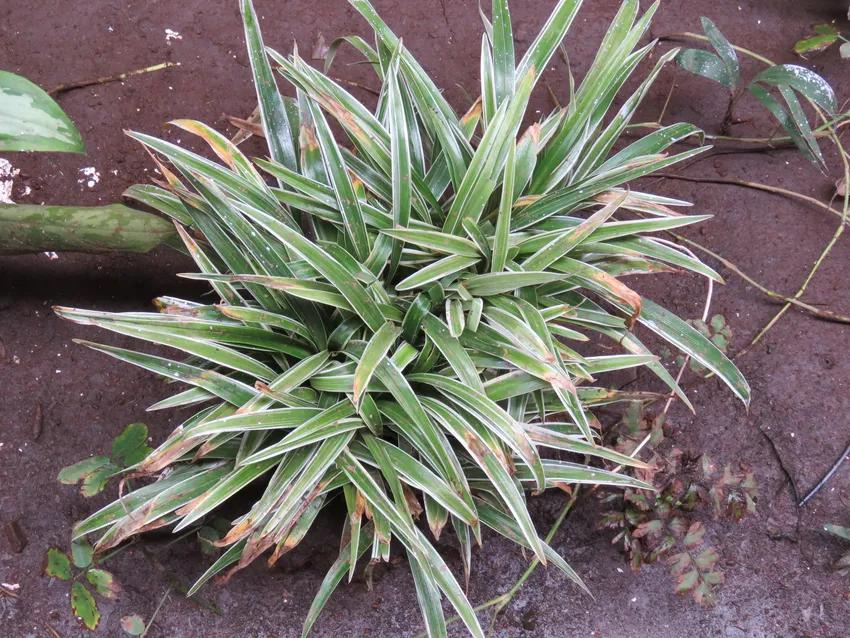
x,y
777,564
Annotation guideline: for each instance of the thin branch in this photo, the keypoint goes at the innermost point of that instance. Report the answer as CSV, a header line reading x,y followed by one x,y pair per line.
x,y
754,185
356,85
507,597
8,592
61,88
828,476
824,253
823,314
697,36
156,612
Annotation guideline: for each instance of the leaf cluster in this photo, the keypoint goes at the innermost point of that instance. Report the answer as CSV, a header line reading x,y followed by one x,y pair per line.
x,y
789,80
663,524
405,320
88,579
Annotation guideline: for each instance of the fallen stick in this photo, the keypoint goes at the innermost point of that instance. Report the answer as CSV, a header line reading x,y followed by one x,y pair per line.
x,y
828,476
61,88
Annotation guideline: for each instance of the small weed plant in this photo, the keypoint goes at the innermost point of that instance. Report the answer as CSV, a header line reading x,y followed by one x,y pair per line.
x,y
662,524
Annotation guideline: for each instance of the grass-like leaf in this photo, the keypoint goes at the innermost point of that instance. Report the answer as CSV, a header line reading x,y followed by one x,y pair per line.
x,y
409,344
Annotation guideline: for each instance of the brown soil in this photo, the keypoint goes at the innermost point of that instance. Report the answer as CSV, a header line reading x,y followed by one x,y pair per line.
x,y
777,564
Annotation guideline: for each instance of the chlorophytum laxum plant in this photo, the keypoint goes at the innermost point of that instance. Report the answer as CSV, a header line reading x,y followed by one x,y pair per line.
x,y
396,320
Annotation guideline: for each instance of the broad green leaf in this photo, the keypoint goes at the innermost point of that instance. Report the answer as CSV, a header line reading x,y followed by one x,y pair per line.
x,y
81,551
130,447
104,582
724,50
707,65
30,120
799,78
57,564
31,228
84,606
822,37
77,472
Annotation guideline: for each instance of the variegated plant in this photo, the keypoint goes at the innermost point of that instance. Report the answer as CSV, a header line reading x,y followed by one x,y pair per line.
x,y
399,315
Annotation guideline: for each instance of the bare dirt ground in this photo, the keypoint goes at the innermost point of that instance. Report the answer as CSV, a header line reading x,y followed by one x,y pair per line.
x,y
777,564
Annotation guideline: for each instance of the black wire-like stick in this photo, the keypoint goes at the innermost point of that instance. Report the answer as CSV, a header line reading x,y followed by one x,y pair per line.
x,y
825,478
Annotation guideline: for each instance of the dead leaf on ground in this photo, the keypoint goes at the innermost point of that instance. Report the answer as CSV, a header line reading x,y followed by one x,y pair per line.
x,y
320,47
821,38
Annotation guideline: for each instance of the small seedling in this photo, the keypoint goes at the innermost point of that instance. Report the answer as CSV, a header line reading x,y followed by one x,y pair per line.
x,y
789,79
128,449
88,578
662,525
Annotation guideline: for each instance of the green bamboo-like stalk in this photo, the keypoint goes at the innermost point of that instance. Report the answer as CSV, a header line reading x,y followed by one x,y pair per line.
x,y
113,228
